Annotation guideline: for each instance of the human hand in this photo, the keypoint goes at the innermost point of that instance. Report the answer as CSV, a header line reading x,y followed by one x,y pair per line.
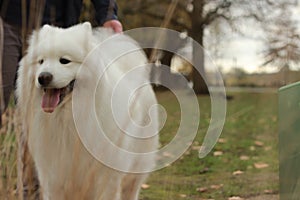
x,y
114,24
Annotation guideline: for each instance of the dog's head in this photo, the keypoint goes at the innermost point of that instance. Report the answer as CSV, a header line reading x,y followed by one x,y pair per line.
x,y
57,55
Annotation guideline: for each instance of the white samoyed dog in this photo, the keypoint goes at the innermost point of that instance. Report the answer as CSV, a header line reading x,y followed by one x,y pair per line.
x,y
47,79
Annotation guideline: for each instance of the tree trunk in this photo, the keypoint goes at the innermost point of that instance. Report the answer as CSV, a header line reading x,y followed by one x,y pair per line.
x,y
197,33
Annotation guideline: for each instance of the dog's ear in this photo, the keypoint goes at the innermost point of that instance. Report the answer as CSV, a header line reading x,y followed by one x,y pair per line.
x,y
36,34
88,33
87,26
46,27
46,30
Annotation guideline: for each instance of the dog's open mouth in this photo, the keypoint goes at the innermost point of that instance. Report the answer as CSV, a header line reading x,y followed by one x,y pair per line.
x,y
54,96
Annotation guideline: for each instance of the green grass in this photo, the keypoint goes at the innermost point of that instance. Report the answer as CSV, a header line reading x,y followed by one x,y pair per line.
x,y
250,130
250,118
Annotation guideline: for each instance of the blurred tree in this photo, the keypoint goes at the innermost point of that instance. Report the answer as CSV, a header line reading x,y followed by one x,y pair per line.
x,y
232,14
195,17
238,72
282,38
139,13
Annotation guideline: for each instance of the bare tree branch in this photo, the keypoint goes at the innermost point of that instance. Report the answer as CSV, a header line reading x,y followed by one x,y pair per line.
x,y
217,12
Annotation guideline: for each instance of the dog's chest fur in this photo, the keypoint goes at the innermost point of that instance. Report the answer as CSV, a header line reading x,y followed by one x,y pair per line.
x,y
63,162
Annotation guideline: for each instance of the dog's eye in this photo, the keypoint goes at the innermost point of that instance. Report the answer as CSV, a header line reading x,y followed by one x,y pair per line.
x,y
64,61
41,61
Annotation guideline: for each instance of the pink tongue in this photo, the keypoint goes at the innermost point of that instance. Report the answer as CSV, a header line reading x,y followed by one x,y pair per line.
x,y
50,100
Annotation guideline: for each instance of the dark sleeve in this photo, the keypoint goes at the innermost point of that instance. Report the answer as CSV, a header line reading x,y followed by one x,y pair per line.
x,y
105,10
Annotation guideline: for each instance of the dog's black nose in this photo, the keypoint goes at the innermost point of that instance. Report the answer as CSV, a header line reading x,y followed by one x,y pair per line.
x,y
45,78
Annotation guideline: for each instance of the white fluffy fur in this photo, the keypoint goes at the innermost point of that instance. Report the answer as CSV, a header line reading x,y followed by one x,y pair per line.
x,y
65,168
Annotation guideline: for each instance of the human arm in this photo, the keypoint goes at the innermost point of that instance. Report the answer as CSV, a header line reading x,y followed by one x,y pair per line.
x,y
114,24
106,14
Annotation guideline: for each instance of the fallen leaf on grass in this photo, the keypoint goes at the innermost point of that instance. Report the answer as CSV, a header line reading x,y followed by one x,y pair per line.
x,y
238,172
213,187
235,198
244,157
216,187
196,148
222,140
145,186
202,189
183,195
260,165
218,153
259,143
269,192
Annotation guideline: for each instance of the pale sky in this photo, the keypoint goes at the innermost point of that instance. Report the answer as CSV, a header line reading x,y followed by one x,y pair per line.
x,y
244,52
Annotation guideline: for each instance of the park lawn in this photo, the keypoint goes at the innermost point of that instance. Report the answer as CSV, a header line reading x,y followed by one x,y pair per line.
x,y
248,147
247,166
